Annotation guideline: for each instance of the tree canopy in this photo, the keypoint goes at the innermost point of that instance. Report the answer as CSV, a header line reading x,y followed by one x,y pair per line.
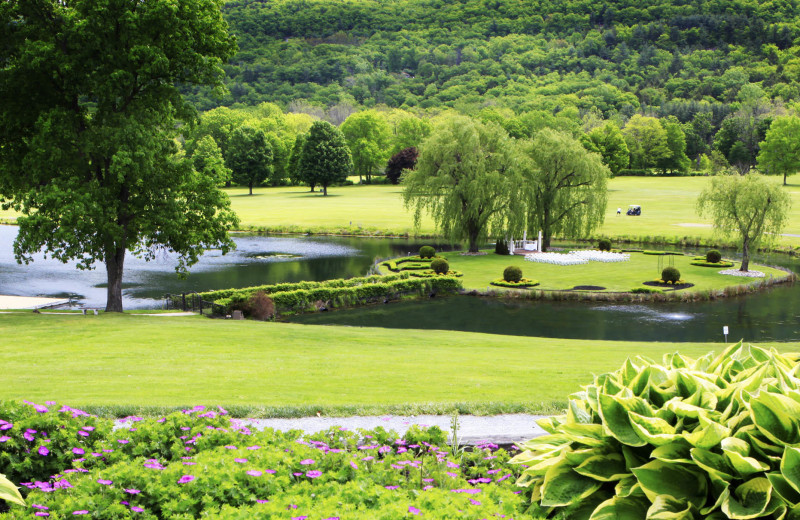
x,y
780,150
749,206
87,130
367,135
608,141
565,186
325,158
465,179
249,156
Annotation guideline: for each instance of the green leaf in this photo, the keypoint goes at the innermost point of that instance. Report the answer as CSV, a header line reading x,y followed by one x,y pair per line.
x,y
621,508
774,415
790,467
614,412
654,430
627,487
713,463
563,487
676,480
745,466
783,488
678,452
9,492
708,435
668,508
749,500
605,468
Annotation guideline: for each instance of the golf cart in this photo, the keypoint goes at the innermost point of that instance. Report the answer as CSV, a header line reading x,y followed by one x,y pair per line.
x,y
634,210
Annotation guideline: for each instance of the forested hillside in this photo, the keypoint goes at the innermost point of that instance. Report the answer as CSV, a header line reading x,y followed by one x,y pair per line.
x,y
673,57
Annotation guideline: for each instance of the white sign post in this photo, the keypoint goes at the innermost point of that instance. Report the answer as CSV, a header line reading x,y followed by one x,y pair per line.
x,y
725,332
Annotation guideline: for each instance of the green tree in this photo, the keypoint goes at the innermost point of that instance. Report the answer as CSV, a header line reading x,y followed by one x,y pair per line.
x,y
780,150
676,143
87,130
249,156
207,159
408,131
566,186
326,159
367,135
464,179
750,206
608,141
293,166
647,141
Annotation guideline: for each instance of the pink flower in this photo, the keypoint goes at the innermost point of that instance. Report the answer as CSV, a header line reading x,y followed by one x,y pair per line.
x,y
313,474
254,473
307,462
413,510
186,478
136,509
474,502
80,512
353,464
240,461
78,451
43,451
132,491
104,482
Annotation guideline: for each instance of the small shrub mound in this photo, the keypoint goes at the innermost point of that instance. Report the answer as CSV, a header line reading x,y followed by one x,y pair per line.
x,y
711,438
713,256
501,248
512,273
522,284
440,266
604,245
261,306
426,252
670,275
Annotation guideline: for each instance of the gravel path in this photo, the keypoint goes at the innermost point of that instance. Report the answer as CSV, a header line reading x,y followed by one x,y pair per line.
x,y
473,429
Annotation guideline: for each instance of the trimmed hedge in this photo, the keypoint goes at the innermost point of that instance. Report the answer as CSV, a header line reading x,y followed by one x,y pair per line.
x,y
660,253
429,273
302,299
522,284
394,265
703,263
646,290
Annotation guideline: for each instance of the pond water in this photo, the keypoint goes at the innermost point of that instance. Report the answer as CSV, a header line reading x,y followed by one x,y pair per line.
x,y
257,260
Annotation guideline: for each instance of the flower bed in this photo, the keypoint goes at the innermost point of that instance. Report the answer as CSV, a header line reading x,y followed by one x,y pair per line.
x,y
701,261
555,259
200,464
522,284
594,255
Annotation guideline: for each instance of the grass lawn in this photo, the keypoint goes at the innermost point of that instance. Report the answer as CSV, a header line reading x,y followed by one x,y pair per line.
x,y
668,209
288,369
480,271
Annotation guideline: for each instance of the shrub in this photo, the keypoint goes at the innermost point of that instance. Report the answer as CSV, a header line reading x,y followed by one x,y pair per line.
x,y
512,273
261,306
691,439
670,274
604,245
501,247
426,252
713,256
440,266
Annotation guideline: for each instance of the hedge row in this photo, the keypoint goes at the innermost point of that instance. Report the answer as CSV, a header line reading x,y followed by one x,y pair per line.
x,y
301,299
394,265
295,286
522,284
722,264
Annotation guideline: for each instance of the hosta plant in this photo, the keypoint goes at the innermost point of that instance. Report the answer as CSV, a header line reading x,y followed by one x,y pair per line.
x,y
711,438
9,492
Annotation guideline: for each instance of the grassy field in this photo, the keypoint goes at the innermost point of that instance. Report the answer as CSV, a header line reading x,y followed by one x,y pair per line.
x,y
668,209
479,271
288,369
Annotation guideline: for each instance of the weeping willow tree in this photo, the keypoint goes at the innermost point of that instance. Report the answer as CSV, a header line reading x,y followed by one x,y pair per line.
x,y
465,179
565,186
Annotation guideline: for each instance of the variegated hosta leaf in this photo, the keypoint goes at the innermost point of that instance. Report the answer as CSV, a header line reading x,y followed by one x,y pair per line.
x,y
751,499
776,417
676,480
666,507
653,430
614,412
790,467
563,487
621,508
605,468
783,489
9,492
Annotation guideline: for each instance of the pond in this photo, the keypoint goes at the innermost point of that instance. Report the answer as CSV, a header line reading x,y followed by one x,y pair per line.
x,y
257,260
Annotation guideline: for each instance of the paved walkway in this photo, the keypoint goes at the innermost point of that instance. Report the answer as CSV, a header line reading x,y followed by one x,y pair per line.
x,y
473,429
29,302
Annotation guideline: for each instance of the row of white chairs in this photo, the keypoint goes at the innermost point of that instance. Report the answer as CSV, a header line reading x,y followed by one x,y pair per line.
x,y
577,257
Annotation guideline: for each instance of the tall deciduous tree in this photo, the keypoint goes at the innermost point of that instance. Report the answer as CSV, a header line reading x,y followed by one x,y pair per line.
x,y
780,150
249,156
368,136
750,206
207,159
608,141
408,131
293,167
325,159
676,143
565,185
405,159
87,127
647,141
464,179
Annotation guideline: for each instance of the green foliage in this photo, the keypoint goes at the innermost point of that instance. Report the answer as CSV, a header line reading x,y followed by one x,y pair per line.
x,y
9,492
647,141
646,290
604,244
293,166
703,263
249,156
713,256
780,150
464,179
512,273
88,155
440,266
367,135
207,159
608,141
501,247
670,274
427,252
325,158
405,159
749,206
689,439
523,283
565,186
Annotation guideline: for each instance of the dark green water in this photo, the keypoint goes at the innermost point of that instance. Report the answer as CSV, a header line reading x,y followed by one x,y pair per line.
x,y
772,315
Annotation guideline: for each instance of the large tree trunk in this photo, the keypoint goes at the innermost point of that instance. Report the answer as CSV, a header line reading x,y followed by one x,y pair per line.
x,y
325,190
251,188
115,258
745,255
472,235
312,188
784,178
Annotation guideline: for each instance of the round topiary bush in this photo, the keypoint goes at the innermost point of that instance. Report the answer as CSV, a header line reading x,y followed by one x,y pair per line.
x,y
604,245
426,252
512,273
713,256
670,274
440,266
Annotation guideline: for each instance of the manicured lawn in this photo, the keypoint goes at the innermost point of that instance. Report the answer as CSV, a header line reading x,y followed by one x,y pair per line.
x,y
111,360
668,209
480,271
